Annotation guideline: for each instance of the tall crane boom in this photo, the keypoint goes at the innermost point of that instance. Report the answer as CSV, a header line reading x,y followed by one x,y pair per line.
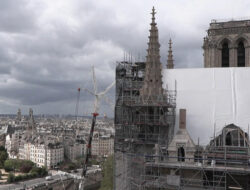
x,y
97,96
87,152
88,147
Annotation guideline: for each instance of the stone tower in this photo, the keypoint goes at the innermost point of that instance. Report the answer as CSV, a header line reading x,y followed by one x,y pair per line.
x,y
170,61
19,115
31,117
227,44
31,123
153,78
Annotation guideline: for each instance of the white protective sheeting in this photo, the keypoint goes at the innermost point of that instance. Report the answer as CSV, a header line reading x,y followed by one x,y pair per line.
x,y
212,97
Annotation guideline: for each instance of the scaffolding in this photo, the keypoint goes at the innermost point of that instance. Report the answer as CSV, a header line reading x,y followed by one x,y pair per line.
x,y
143,124
154,172
144,128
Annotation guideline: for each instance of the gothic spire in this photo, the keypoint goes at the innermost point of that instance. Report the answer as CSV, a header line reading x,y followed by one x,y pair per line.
x,y
170,61
153,78
31,125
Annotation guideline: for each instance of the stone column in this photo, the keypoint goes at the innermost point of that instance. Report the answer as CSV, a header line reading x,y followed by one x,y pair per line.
x,y
219,58
182,121
247,56
232,57
209,57
212,57
205,56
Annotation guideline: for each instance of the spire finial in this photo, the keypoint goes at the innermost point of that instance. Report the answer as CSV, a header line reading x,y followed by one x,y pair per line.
x,y
170,61
153,15
170,44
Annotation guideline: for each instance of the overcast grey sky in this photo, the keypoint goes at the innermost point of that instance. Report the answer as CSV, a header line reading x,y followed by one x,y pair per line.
x,y
47,47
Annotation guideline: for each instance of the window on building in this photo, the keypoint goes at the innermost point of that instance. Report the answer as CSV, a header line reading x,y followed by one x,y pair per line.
x,y
241,55
228,139
181,154
225,55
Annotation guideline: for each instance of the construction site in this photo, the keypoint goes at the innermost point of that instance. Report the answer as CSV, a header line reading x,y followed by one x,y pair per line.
x,y
149,155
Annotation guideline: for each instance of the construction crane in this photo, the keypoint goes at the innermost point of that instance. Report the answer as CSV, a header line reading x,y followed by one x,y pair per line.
x,y
77,103
98,97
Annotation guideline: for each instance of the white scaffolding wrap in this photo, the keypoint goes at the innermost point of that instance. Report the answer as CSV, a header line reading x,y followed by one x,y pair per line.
x,y
212,97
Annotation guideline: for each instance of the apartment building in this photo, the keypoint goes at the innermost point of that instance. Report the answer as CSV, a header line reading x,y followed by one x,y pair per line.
x,y
102,145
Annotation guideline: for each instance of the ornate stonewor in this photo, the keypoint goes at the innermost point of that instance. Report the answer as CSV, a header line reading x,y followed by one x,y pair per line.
x,y
170,61
19,115
227,44
153,78
31,123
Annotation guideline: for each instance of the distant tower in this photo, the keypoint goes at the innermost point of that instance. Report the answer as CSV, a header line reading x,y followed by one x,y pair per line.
x,y
19,115
31,117
170,61
31,120
153,78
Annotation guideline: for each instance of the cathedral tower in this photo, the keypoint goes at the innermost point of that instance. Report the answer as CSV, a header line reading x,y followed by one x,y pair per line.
x,y
227,44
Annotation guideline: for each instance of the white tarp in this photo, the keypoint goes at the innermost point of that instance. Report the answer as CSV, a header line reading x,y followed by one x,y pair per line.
x,y
212,97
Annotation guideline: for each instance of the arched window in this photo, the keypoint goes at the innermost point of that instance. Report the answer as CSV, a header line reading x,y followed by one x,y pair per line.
x,y
241,55
225,55
228,139
181,154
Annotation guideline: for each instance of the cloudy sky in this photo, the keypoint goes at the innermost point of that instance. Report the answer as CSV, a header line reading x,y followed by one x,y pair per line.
x,y
47,47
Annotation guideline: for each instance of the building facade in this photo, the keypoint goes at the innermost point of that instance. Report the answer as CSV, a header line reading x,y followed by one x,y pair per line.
x,y
227,44
12,143
42,155
73,149
102,145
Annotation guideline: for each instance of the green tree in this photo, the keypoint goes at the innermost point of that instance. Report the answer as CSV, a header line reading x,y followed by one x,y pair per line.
x,y
39,171
25,168
11,178
20,165
9,165
107,181
2,148
3,156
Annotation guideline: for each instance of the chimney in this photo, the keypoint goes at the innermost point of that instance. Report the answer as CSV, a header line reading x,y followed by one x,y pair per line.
x,y
182,119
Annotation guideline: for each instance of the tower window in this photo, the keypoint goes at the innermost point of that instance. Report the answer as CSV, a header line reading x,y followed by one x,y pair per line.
x,y
228,139
241,55
225,55
181,154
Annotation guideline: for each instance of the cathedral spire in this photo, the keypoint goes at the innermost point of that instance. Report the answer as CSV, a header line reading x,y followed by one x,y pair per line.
x,y
153,78
153,15
170,61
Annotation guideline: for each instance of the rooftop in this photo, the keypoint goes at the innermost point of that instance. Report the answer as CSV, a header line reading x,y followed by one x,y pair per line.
x,y
229,23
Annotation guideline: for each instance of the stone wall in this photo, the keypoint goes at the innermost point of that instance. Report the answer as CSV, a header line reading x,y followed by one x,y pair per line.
x,y
231,32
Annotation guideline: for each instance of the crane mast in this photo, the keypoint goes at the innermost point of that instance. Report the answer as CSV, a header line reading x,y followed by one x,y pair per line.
x,y
88,147
97,96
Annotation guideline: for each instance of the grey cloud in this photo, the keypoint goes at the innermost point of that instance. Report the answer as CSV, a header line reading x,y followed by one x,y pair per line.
x,y
16,16
47,48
